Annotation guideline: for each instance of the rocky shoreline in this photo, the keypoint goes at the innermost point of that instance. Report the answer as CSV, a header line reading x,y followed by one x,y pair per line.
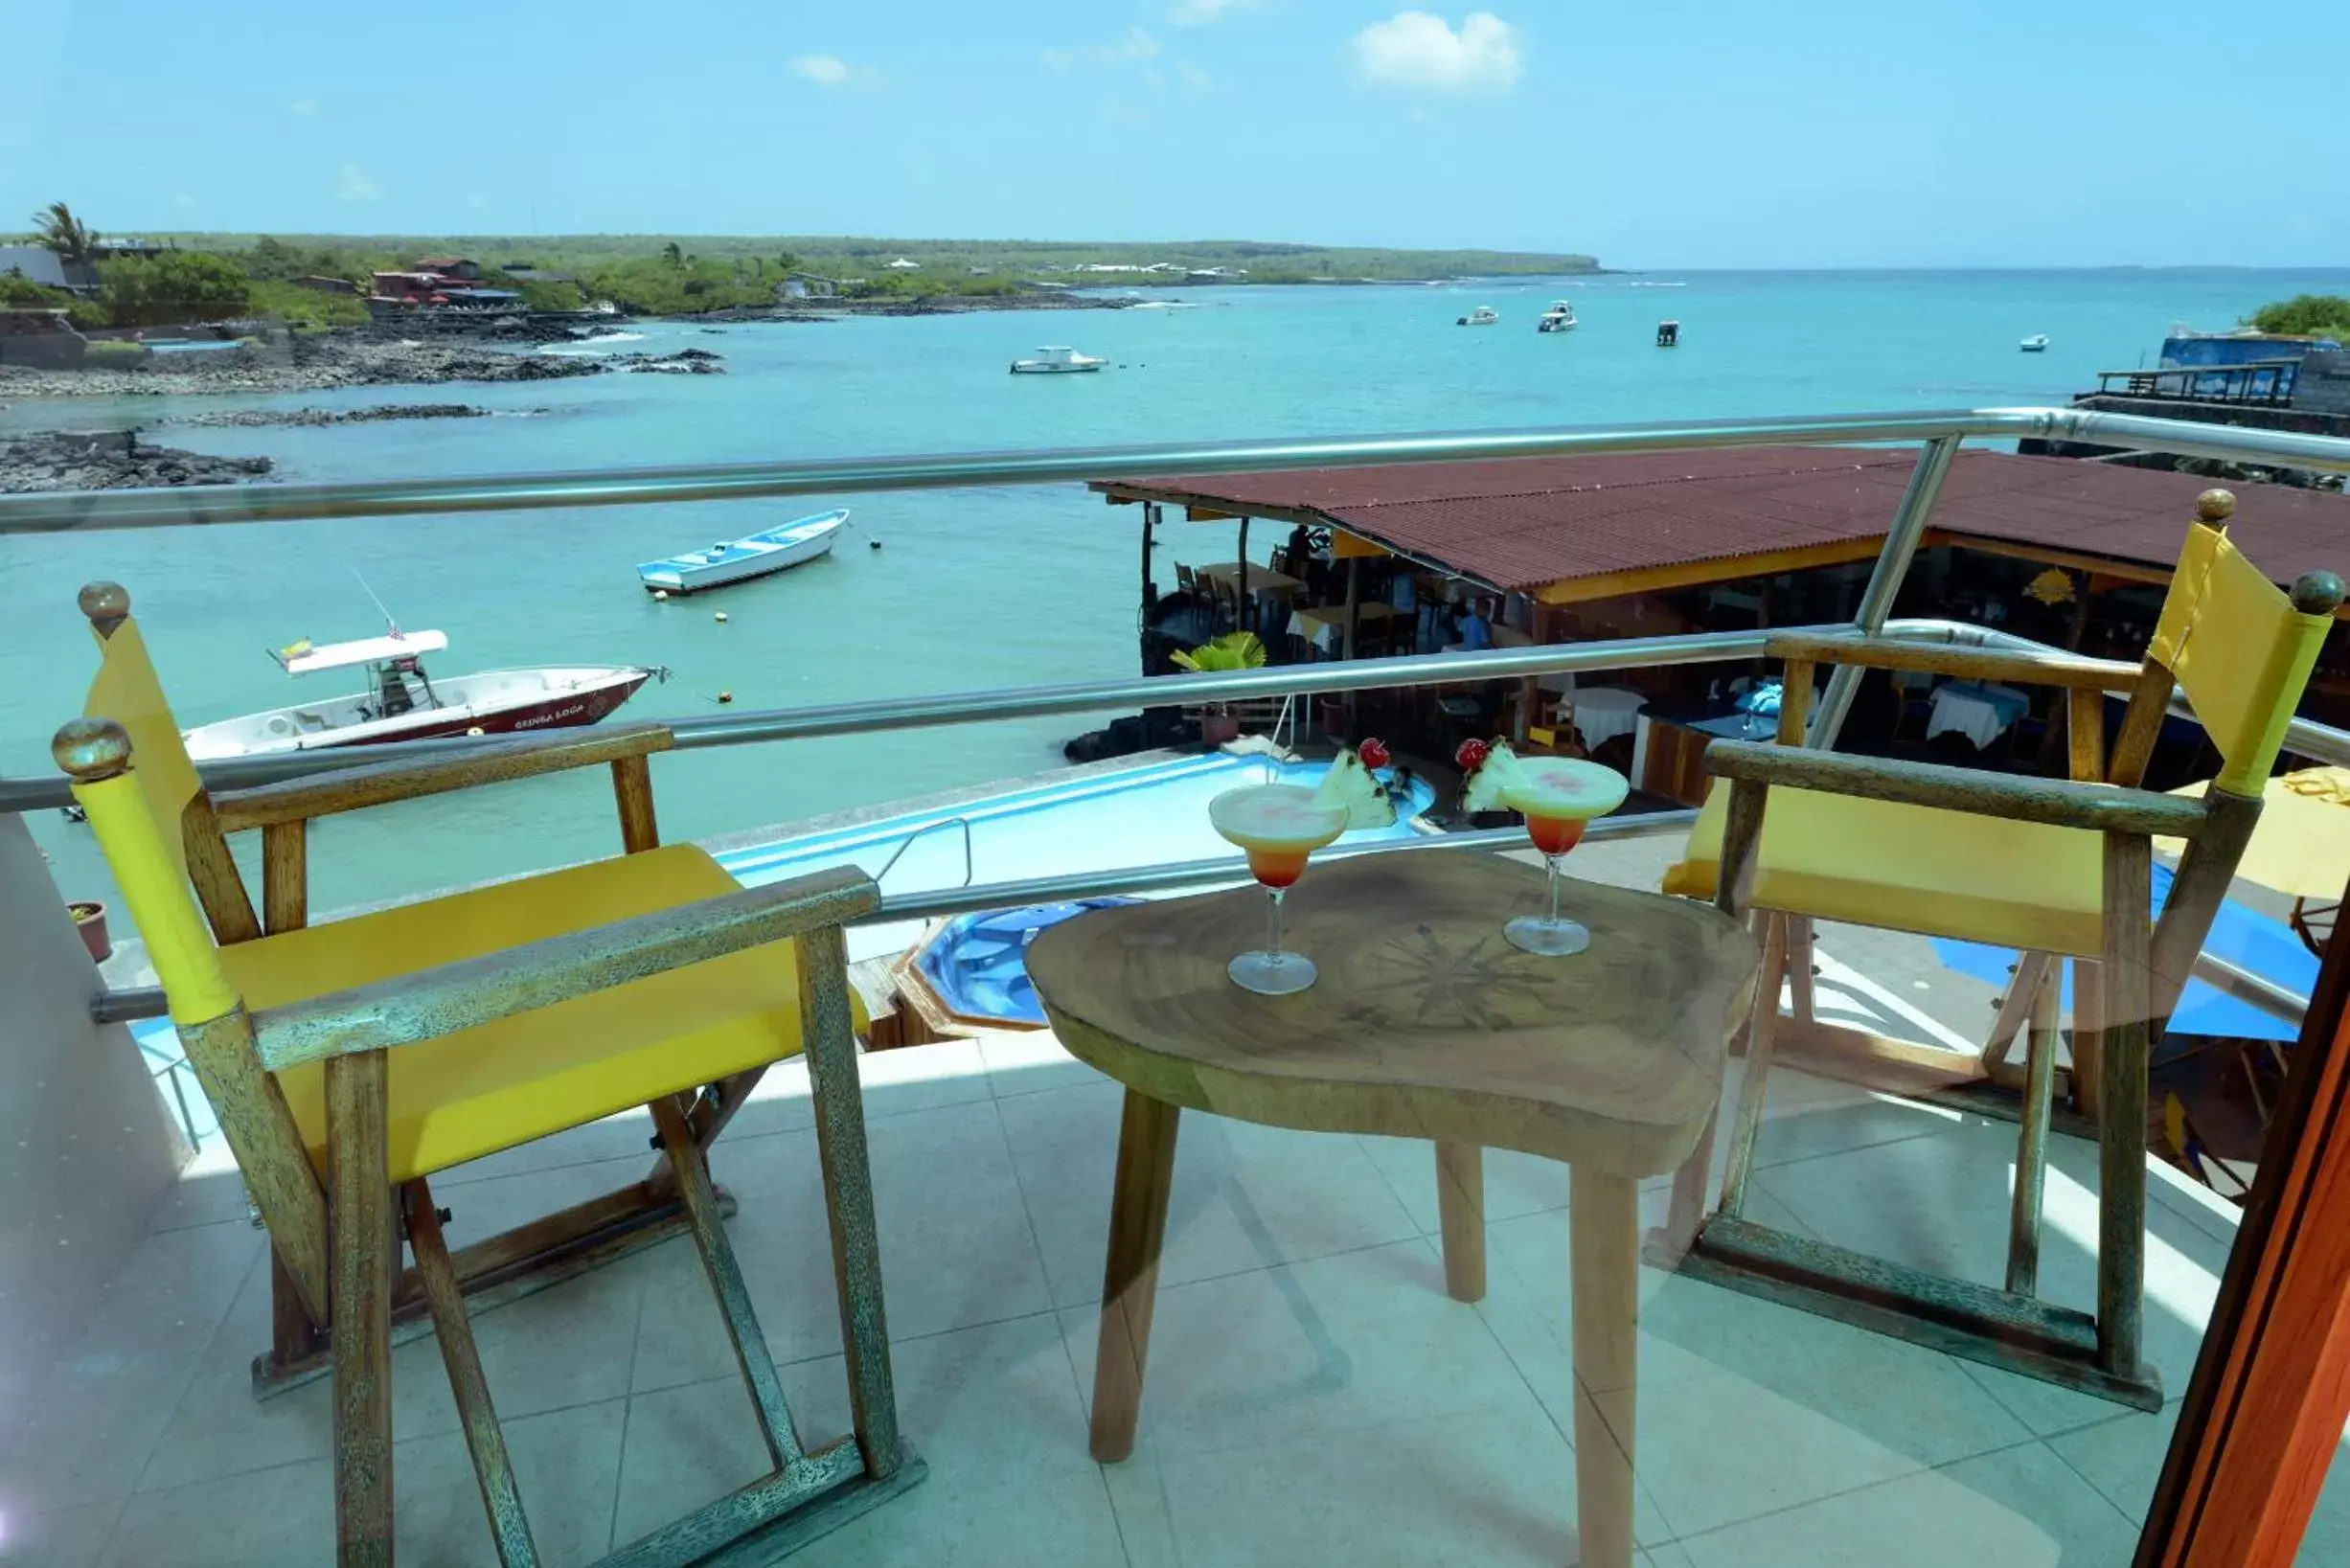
x,y
332,361
56,461
250,419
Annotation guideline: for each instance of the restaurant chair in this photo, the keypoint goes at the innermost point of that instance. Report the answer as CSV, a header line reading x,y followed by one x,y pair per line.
x,y
1186,578
2047,867
351,1063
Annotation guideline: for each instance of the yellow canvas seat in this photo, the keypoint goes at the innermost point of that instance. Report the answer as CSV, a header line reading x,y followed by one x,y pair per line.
x,y
2056,868
347,1062
1913,868
498,1084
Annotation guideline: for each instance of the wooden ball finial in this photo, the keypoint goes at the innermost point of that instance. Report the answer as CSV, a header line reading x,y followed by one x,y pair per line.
x,y
2215,506
91,749
107,604
2317,593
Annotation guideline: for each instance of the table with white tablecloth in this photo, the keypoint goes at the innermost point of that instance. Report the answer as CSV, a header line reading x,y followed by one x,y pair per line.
x,y
1602,712
1981,713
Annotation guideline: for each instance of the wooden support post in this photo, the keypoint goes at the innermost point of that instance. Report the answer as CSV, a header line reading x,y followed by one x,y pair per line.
x,y
1760,1033
839,1106
1240,591
1605,1215
510,1530
1460,1207
633,791
1150,526
285,876
218,887
2032,1140
359,1178
1129,1276
2084,733
2128,1003
2015,1011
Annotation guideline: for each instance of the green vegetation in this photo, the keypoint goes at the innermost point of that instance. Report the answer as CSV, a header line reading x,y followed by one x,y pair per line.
x,y
658,286
1233,650
2319,315
114,354
296,306
177,286
18,292
57,227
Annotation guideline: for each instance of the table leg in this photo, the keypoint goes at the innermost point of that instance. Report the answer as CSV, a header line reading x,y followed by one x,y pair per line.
x,y
1605,1214
1130,1281
1460,1204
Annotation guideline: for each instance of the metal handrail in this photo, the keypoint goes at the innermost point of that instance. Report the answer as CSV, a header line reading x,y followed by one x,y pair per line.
x,y
969,867
58,512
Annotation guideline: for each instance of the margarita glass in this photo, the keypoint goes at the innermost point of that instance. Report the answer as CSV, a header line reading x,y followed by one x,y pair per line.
x,y
1558,796
1278,827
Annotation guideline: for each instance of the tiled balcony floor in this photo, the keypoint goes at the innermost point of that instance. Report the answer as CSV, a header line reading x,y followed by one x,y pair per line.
x,y
1314,1397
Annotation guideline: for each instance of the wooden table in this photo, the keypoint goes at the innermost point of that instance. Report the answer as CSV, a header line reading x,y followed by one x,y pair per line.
x,y
1262,579
1425,1024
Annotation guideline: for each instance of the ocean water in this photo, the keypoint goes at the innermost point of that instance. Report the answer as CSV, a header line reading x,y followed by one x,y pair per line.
x,y
969,588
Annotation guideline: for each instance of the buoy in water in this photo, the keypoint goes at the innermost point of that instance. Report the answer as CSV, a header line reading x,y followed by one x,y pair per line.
x,y
720,616
873,544
726,696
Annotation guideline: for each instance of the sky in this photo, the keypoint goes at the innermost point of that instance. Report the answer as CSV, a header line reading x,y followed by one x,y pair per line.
x,y
1803,133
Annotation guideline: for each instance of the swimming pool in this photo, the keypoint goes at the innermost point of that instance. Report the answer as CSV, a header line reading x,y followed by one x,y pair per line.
x,y
1146,815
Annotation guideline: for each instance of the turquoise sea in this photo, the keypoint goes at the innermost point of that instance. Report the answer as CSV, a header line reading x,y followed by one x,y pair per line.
x,y
976,589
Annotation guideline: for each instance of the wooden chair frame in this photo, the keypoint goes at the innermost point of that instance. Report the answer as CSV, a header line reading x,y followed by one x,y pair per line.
x,y
2120,1001
337,1287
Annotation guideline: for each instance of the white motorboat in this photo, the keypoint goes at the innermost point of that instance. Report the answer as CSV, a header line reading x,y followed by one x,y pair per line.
x,y
2037,343
403,703
1484,315
753,555
1058,359
1558,318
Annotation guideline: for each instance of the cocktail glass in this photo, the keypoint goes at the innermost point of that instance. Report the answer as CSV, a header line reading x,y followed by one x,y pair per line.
x,y
1278,826
1559,795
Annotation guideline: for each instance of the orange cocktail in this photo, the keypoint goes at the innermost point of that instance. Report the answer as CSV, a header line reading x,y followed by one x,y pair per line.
x,y
1278,827
1558,796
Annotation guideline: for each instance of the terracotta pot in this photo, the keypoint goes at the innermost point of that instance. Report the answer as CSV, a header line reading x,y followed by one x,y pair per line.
x,y
1217,727
90,919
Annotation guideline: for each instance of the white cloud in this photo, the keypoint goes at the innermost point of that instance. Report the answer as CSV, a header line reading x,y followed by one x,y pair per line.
x,y
352,183
1136,45
1201,13
1194,78
183,201
306,108
1418,49
824,69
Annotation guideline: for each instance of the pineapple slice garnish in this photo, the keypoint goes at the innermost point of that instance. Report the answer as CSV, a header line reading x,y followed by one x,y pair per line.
x,y
1351,787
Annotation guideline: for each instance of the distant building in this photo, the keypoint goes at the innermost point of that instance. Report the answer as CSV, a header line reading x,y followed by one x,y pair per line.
x,y
902,265
807,285
461,268
397,291
39,264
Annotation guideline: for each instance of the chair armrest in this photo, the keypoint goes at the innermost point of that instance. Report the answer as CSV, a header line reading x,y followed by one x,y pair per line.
x,y
2056,802
1948,659
379,783
451,997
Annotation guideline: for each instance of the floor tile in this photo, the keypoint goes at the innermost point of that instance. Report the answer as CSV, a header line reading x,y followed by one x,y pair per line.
x,y
1309,1349
1245,1197
2019,1507
1515,1184
993,1410
70,1538
1816,1406
1903,1201
956,1247
1498,1486
1023,1062
87,1434
565,1465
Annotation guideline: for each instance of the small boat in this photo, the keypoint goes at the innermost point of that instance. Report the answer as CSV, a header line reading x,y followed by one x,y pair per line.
x,y
2037,343
1057,359
1484,315
753,555
403,703
1558,318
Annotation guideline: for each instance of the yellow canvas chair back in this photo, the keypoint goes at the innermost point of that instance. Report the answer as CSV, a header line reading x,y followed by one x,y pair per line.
x,y
2241,649
139,816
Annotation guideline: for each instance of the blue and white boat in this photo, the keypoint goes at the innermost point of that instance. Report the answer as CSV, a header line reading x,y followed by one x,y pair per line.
x,y
754,554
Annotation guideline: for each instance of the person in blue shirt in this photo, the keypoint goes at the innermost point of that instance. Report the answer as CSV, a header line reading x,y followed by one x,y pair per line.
x,y
1476,632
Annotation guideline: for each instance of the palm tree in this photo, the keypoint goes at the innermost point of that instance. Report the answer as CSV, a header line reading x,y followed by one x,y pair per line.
x,y
57,227
671,254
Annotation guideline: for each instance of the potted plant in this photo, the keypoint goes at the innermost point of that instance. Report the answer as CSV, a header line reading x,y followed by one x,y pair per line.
x,y
90,921
1233,650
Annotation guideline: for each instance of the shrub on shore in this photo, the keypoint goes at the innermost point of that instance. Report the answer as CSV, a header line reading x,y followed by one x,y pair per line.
x,y
2306,315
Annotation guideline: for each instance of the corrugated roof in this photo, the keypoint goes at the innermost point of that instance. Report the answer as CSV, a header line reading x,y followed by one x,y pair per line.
x,y
1526,522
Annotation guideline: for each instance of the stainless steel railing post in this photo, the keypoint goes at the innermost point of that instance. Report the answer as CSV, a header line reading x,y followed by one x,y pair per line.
x,y
1884,583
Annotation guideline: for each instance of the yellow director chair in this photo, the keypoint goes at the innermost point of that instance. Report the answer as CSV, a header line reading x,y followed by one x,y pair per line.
x,y
349,1062
2052,868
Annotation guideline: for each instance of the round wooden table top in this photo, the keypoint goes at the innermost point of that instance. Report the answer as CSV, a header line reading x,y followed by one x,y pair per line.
x,y
1425,1023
